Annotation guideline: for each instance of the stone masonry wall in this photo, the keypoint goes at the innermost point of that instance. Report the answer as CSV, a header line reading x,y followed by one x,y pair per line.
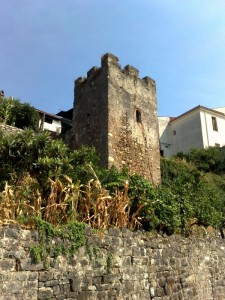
x,y
9,129
90,115
133,123
119,264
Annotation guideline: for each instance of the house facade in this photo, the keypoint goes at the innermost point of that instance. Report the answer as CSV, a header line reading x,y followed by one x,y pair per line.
x,y
49,122
199,127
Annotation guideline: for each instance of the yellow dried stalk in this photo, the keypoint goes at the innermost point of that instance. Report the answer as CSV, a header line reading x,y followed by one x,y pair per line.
x,y
100,210
93,205
28,197
60,199
14,203
7,205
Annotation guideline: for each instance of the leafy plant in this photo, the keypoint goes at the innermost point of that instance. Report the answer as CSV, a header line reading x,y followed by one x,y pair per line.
x,y
43,158
211,159
15,113
109,262
73,232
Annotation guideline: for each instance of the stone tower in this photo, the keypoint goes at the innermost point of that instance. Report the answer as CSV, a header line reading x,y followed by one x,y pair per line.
x,y
116,111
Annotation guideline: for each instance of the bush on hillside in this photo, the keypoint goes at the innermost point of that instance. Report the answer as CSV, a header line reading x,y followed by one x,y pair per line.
x,y
198,198
43,158
211,159
15,113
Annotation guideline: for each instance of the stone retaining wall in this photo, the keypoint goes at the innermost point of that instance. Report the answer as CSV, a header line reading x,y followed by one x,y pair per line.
x,y
9,129
119,264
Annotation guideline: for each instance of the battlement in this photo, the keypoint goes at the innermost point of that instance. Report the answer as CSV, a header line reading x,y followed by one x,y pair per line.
x,y
149,81
92,71
109,60
129,70
80,80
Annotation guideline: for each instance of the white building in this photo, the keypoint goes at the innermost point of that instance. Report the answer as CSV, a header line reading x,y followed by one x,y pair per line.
x,y
199,127
49,122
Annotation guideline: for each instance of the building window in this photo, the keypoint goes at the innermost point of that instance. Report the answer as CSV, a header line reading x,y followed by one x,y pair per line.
x,y
48,119
174,132
214,124
161,153
138,116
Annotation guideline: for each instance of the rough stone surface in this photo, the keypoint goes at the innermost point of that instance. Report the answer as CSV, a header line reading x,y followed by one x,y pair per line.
x,y
139,266
9,129
116,111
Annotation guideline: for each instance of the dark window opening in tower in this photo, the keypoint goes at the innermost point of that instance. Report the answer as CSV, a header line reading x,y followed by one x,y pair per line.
x,y
138,116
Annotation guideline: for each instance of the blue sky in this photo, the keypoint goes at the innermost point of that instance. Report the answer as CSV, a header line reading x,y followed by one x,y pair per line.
x,y
46,44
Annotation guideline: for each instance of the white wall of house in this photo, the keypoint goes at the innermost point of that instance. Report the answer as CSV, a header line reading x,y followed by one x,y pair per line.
x,y
186,132
165,136
213,136
198,128
55,126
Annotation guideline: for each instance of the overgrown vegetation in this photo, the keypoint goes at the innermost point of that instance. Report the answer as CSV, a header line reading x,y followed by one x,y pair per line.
x,y
211,159
72,232
43,179
15,113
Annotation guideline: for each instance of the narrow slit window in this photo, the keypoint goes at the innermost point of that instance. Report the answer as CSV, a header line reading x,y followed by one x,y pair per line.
x,y
161,153
214,124
138,116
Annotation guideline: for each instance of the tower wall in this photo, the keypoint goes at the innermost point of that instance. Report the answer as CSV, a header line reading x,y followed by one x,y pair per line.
x,y
123,123
90,116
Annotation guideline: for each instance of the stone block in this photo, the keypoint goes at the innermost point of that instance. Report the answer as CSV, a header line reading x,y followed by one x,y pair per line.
x,y
97,280
51,283
7,264
44,293
27,265
160,292
32,285
32,276
46,276
56,290
116,232
102,295
103,287
170,280
84,295
162,281
111,278
60,297
13,232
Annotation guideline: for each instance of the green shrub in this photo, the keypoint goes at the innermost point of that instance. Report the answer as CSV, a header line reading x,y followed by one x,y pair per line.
x,y
73,232
15,113
43,158
211,159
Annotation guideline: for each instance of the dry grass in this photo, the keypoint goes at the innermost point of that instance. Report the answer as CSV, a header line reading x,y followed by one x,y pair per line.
x,y
100,210
61,203
24,199
91,204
